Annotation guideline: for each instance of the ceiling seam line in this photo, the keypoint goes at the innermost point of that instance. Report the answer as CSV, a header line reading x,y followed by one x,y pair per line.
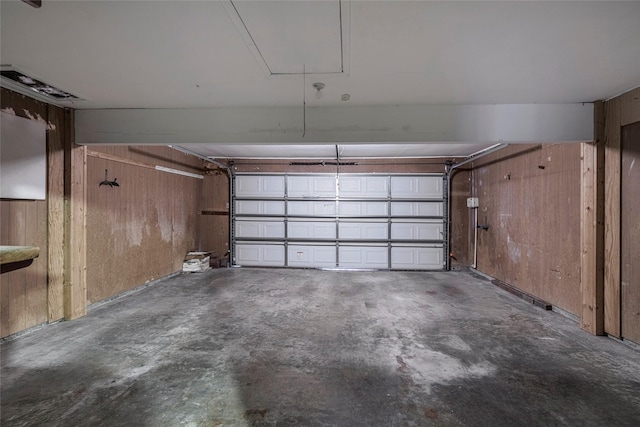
x,y
341,37
251,37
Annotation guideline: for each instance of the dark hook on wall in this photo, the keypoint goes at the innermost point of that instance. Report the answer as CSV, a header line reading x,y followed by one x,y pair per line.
x,y
106,181
484,226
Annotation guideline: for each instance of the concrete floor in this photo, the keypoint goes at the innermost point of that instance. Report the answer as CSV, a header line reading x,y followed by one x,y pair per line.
x,y
267,347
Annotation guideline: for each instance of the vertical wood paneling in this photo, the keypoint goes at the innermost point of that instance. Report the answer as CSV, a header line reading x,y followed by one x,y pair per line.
x,y
55,212
529,195
592,238
630,231
141,230
461,237
9,282
18,283
36,274
612,218
75,287
23,292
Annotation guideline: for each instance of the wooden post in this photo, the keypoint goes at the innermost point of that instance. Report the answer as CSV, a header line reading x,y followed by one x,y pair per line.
x,y
613,162
592,232
75,284
55,213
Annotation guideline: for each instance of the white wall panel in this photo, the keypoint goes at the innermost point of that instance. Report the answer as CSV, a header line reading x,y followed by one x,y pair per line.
x,y
417,258
262,228
312,256
363,257
363,208
311,186
259,255
259,207
417,209
259,186
363,230
311,229
364,186
416,187
315,208
428,230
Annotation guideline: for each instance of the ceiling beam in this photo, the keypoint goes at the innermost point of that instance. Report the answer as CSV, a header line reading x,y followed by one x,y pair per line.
x,y
512,123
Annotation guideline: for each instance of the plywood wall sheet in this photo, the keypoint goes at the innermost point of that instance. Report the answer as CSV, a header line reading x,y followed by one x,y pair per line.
x,y
214,214
56,136
630,233
461,231
215,192
613,163
529,195
141,230
629,107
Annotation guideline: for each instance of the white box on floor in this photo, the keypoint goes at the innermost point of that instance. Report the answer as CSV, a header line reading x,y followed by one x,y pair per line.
x,y
196,262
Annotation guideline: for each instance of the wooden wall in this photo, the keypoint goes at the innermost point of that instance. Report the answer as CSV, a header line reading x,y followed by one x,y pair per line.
x,y
630,233
621,279
461,249
34,295
134,233
214,213
141,230
529,195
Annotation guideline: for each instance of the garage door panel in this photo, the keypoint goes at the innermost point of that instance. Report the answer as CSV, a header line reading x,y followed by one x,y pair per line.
x,y
259,207
417,209
363,208
364,257
311,229
364,186
311,208
260,229
417,187
417,258
312,256
259,255
259,186
417,230
363,230
311,186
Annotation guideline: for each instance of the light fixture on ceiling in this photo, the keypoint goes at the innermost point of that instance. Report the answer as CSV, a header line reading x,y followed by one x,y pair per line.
x,y
33,3
36,85
345,97
318,87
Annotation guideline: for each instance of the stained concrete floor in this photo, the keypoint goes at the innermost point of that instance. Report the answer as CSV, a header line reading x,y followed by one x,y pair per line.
x,y
267,347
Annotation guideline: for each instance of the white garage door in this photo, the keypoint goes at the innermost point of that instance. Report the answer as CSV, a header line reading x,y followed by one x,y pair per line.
x,y
339,221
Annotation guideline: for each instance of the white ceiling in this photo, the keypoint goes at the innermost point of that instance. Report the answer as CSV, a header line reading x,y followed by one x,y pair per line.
x,y
220,54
